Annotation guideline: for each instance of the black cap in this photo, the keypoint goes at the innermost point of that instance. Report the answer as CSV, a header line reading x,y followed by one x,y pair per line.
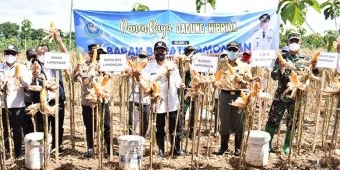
x,y
223,55
31,52
94,46
233,44
264,17
188,50
160,44
294,35
11,48
285,49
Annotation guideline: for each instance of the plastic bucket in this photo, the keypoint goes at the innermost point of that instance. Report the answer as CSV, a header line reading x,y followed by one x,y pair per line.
x,y
257,148
130,151
34,150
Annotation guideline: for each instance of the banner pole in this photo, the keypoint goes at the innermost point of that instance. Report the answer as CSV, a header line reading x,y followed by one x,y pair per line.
x,y
70,30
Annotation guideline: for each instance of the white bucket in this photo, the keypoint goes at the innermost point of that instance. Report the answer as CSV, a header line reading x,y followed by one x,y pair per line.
x,y
34,150
258,148
130,151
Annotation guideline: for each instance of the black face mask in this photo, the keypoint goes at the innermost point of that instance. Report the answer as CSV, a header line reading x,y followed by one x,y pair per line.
x,y
160,57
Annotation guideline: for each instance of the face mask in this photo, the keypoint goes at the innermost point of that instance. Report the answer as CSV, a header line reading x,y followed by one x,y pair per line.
x,y
41,58
264,26
10,59
232,55
160,57
294,47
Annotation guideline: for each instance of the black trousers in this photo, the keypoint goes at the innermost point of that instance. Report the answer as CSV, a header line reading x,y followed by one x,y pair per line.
x,y
51,122
16,119
87,118
135,113
160,124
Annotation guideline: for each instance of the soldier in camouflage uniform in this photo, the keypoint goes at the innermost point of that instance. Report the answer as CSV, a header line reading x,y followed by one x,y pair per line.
x,y
282,100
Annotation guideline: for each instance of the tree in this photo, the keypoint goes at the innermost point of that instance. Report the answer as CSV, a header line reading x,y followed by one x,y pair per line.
x,y
295,11
25,30
199,4
331,9
9,30
140,7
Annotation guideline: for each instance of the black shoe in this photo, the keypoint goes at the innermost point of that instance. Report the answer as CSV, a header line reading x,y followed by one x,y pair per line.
x,y
160,154
237,152
89,153
221,152
179,153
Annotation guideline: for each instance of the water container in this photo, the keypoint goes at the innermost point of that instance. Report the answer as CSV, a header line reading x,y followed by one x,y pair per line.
x,y
34,150
130,151
257,148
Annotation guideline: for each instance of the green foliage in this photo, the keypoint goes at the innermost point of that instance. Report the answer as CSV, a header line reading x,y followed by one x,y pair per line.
x,y
199,4
140,7
295,11
331,9
25,37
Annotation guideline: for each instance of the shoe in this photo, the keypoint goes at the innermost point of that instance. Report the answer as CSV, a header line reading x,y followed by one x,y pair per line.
x,y
160,154
237,152
89,153
271,131
223,145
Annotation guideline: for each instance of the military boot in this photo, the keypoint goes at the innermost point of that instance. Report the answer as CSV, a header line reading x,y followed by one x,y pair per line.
x,y
271,131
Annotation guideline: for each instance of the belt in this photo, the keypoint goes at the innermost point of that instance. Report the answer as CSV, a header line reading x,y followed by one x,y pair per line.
x,y
231,92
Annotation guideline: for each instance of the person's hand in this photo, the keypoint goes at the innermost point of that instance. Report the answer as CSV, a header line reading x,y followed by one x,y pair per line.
x,y
182,86
136,74
282,67
217,84
56,35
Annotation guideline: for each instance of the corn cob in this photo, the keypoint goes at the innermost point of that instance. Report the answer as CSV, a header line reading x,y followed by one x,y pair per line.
x,y
17,71
130,62
105,81
142,65
244,97
293,78
219,75
231,69
94,56
315,57
280,58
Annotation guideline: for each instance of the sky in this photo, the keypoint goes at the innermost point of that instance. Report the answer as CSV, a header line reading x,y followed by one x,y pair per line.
x,y
42,12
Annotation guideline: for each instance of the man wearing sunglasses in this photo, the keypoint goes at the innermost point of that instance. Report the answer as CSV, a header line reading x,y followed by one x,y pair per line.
x,y
145,105
230,116
12,86
282,100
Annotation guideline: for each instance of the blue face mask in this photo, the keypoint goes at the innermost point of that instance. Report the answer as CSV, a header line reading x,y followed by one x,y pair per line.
x,y
160,57
231,55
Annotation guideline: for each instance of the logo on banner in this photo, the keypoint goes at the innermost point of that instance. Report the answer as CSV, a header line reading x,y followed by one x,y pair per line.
x,y
92,30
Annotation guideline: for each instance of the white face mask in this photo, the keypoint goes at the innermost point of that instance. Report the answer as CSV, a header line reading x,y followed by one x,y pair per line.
x,y
41,58
294,47
10,59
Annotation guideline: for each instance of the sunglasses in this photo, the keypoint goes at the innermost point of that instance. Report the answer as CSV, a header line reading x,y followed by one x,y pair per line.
x,y
10,53
233,49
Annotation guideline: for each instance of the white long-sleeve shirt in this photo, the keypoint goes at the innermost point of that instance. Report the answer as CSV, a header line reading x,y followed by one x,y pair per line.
x,y
154,70
15,96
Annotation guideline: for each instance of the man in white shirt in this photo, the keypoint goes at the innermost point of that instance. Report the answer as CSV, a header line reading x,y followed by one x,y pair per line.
x,y
12,97
156,72
134,101
264,38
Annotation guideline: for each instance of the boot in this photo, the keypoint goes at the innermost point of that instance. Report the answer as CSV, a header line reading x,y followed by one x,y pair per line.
x,y
286,146
224,145
238,142
271,131
160,143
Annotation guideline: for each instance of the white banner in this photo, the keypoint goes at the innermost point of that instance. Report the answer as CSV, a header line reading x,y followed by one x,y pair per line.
x,y
327,60
205,64
58,61
263,58
112,62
